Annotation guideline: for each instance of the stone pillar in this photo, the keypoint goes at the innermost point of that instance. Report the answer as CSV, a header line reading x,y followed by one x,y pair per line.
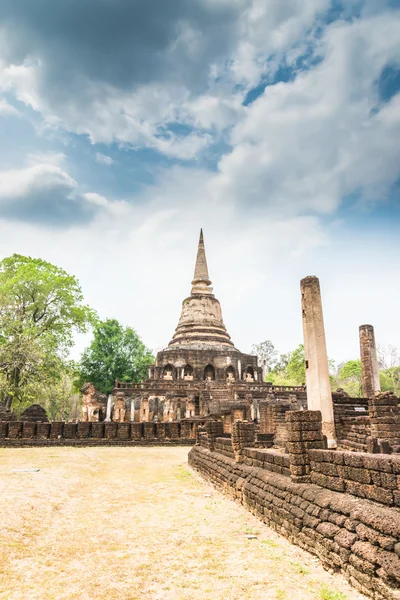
x,y
108,413
132,410
369,361
319,393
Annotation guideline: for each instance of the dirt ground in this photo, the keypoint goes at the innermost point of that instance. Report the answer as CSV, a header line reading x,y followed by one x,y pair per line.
x,y
135,523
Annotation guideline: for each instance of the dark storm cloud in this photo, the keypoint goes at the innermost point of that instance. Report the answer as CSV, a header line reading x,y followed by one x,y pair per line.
x,y
49,199
120,42
49,209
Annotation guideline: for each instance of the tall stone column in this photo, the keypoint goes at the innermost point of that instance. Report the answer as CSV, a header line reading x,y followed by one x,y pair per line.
x,y
369,361
319,393
109,406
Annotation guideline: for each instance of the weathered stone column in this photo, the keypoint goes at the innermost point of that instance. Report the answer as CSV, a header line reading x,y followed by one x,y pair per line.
x,y
109,405
369,361
132,410
319,393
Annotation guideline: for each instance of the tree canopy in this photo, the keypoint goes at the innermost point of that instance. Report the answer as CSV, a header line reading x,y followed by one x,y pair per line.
x,y
116,352
41,307
267,355
289,369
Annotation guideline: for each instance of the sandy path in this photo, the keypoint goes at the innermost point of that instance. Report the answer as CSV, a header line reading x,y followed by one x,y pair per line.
x,y
134,523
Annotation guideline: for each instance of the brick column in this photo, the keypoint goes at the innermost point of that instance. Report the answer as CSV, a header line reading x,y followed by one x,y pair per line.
x,y
319,393
384,414
369,361
243,436
304,432
214,429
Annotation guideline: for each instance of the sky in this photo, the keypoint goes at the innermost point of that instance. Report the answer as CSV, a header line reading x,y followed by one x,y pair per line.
x,y
126,125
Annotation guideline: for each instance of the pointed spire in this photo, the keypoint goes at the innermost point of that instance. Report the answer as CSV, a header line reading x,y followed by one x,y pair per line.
x,y
201,281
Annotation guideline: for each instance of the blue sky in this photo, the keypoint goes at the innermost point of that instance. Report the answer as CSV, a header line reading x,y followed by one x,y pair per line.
x,y
275,126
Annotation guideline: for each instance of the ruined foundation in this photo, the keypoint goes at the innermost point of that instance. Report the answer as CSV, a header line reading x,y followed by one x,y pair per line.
x,y
343,507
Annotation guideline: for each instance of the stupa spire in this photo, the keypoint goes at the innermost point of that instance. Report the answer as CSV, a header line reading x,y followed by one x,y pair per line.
x,y
200,324
201,280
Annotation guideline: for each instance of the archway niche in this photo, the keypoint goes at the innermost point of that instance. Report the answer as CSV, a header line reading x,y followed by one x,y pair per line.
x,y
230,374
188,373
209,373
168,372
249,374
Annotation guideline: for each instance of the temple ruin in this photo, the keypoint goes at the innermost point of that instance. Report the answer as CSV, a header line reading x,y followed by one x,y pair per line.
x,y
201,375
319,467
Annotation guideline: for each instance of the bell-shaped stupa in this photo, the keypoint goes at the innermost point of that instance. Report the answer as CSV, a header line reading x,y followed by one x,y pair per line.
x,y
200,324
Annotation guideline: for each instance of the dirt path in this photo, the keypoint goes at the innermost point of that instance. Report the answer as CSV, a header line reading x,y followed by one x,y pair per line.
x,y
134,523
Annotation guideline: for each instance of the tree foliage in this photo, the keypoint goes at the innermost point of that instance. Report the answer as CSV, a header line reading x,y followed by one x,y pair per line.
x,y
289,369
116,352
349,378
267,355
41,306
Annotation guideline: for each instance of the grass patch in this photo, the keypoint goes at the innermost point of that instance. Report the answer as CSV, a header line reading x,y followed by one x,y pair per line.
x,y
299,568
327,593
269,543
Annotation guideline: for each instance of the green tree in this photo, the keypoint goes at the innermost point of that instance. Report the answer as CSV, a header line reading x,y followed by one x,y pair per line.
x,y
389,361
41,306
267,355
116,352
290,369
350,378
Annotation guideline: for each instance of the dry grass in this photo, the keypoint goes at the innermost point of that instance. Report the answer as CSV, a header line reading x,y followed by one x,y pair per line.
x,y
135,524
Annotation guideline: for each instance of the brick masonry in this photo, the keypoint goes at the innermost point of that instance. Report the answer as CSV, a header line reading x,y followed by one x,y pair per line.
x,y
18,433
343,506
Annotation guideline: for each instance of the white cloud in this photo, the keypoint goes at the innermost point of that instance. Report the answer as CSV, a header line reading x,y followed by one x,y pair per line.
x,y
17,183
7,109
103,159
141,114
306,144
46,195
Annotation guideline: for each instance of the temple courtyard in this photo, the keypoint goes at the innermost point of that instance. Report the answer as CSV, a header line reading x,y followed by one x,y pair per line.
x,y
136,523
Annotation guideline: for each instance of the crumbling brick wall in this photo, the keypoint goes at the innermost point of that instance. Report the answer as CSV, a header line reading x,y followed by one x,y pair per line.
x,y
384,413
352,422
18,433
353,535
272,420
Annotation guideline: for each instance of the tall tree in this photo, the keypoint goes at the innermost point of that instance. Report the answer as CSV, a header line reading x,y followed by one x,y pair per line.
x,y
116,352
389,361
41,306
267,355
290,368
349,377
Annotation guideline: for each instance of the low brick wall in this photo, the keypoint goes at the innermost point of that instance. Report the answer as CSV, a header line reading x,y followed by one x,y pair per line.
x,y
270,460
17,433
223,445
372,476
356,536
352,422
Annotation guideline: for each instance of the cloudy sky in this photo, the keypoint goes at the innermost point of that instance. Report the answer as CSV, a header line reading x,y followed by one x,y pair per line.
x,y
126,125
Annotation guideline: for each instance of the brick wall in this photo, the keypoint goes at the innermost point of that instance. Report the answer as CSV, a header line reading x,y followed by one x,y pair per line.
x,y
18,433
384,413
372,476
352,422
356,536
